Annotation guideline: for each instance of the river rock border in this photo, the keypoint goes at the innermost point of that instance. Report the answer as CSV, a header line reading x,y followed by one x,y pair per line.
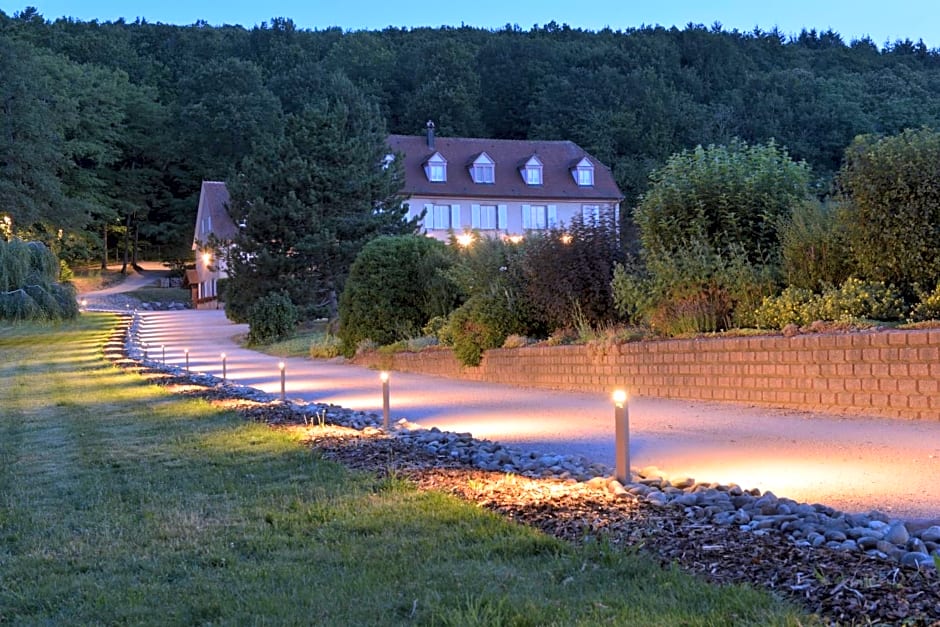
x,y
806,525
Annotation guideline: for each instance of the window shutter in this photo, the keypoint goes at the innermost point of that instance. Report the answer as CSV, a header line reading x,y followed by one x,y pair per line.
x,y
526,216
552,215
502,217
428,217
455,216
475,216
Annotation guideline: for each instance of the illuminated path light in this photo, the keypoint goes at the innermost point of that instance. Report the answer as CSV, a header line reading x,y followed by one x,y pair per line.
x,y
385,408
621,437
851,463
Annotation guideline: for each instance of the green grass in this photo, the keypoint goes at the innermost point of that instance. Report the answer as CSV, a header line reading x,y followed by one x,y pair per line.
x,y
309,341
120,503
161,295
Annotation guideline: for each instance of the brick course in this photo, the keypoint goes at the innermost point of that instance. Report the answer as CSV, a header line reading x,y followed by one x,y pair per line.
x,y
887,373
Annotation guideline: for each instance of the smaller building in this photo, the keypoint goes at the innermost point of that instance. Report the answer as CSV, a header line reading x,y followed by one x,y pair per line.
x,y
214,230
501,187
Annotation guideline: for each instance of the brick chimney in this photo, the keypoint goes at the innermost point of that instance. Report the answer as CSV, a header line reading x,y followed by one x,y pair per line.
x,y
430,134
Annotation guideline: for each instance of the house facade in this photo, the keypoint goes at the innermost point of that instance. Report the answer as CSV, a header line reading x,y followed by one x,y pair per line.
x,y
214,227
500,187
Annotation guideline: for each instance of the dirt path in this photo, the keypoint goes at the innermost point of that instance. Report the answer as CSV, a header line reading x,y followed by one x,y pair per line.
x,y
854,464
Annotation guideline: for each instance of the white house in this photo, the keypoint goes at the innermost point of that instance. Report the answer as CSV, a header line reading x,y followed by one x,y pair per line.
x,y
501,187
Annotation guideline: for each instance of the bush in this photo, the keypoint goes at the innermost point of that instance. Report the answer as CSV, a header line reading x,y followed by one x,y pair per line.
x,y
482,323
632,292
271,318
724,197
857,299
394,287
567,272
892,209
929,306
853,300
814,247
794,305
695,290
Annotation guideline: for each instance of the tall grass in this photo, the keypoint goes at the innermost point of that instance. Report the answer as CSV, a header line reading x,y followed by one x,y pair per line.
x,y
120,503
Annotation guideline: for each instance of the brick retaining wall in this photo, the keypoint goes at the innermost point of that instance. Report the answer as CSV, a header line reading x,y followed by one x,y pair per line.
x,y
886,373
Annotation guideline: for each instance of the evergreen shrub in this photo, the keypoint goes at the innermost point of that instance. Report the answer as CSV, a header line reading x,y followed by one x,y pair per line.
x,y
395,286
271,318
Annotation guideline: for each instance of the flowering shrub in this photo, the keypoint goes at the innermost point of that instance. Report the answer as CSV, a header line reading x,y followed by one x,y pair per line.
x,y
859,299
793,306
929,306
853,300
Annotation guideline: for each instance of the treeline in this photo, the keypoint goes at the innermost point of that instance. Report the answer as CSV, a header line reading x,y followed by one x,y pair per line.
x,y
109,128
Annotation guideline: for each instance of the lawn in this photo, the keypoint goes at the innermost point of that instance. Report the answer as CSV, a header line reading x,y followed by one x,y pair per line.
x,y
121,503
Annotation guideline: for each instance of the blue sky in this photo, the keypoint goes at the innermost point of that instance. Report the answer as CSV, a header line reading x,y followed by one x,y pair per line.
x,y
880,20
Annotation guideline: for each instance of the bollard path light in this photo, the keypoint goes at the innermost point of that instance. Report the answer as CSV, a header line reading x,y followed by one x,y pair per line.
x,y
163,348
223,368
385,418
622,436
283,369
186,352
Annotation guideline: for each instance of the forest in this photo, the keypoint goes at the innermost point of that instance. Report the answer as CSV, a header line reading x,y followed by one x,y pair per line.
x,y
109,128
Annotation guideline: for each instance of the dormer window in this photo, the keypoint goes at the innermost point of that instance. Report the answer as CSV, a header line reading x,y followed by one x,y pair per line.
x,y
483,169
532,171
583,173
435,168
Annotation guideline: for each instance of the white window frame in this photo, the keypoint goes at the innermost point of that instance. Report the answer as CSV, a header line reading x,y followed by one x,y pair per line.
x,y
583,173
483,170
483,173
532,171
485,217
585,177
435,168
438,217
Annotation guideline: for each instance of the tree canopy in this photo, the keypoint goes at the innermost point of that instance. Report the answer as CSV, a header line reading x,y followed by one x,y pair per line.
x,y
111,126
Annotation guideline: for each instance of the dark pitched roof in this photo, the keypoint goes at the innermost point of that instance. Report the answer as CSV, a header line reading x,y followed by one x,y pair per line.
x,y
556,158
213,202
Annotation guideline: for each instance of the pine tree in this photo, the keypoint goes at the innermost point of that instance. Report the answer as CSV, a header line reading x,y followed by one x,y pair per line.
x,y
311,202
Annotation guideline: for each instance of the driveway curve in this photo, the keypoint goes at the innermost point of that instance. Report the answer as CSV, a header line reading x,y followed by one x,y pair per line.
x,y
852,463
